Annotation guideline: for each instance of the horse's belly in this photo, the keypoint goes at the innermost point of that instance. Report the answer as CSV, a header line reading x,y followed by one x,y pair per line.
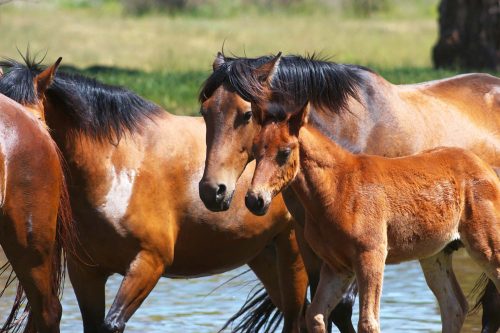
x,y
218,242
416,239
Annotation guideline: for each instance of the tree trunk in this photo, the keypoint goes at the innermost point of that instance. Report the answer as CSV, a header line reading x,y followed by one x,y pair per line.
x,y
469,35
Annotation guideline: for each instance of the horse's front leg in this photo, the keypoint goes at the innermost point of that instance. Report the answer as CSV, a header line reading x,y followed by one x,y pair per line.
x,y
142,275
292,278
89,284
369,269
331,288
440,278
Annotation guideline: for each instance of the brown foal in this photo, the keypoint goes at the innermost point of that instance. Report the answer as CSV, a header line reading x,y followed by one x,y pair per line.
x,y
365,210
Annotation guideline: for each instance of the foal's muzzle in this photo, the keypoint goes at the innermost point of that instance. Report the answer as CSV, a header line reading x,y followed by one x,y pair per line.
x,y
216,197
257,203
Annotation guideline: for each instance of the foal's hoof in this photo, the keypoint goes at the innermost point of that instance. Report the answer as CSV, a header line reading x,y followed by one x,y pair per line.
x,y
113,327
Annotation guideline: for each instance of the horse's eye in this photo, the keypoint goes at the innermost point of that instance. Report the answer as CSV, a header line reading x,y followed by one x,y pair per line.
x,y
283,155
247,116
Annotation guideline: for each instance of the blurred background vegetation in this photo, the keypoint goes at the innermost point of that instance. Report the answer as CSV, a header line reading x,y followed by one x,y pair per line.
x,y
163,49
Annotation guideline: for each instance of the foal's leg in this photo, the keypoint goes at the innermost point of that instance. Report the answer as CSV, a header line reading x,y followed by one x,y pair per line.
x,y
142,275
332,285
369,269
440,278
480,233
342,313
89,286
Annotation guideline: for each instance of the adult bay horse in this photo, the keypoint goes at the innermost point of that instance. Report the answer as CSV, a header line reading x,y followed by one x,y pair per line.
x,y
358,109
134,170
367,210
35,223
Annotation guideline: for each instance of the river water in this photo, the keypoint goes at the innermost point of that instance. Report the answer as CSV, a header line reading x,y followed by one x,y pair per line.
x,y
202,305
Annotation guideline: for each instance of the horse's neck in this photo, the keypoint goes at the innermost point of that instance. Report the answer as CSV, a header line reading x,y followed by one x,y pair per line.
x,y
351,127
322,164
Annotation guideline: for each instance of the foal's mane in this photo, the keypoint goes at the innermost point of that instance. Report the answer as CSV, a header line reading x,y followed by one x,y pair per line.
x,y
325,84
99,110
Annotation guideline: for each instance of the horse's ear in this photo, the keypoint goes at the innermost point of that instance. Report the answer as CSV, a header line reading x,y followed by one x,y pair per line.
x,y
299,118
43,80
265,72
218,61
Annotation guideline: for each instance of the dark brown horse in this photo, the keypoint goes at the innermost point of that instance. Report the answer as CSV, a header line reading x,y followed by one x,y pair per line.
x,y
358,109
134,171
35,218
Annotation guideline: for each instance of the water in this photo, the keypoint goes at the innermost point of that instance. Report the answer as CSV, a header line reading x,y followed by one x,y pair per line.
x,y
202,305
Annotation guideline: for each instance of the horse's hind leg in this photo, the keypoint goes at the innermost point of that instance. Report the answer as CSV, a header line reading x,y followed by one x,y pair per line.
x,y
440,278
89,287
32,260
142,275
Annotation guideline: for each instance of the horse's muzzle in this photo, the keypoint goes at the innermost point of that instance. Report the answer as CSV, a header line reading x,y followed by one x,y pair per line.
x,y
215,196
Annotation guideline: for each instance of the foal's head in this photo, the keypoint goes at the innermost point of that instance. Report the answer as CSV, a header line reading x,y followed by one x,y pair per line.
x,y
276,150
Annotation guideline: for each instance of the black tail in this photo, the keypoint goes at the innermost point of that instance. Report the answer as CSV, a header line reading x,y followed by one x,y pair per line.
x,y
478,293
16,320
488,297
258,314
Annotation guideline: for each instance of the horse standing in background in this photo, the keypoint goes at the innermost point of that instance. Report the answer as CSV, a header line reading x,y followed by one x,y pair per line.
x,y
134,170
363,113
35,223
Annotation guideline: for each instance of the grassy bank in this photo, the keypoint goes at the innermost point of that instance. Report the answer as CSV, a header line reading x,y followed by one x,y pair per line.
x,y
166,58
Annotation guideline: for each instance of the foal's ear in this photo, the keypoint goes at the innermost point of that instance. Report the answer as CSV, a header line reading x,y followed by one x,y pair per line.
x,y
265,72
218,61
43,80
299,118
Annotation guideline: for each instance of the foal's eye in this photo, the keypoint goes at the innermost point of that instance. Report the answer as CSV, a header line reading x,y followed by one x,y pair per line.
x,y
247,116
283,155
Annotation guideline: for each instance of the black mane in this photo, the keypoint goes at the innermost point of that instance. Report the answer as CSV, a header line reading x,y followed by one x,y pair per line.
x,y
99,110
323,83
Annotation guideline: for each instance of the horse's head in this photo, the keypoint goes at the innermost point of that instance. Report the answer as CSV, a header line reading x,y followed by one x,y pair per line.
x,y
230,132
276,150
41,83
27,85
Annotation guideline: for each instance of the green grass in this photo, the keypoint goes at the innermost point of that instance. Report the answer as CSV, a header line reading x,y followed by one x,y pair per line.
x,y
166,58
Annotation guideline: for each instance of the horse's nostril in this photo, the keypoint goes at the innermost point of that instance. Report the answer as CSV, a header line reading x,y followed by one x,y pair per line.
x,y
260,203
221,190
